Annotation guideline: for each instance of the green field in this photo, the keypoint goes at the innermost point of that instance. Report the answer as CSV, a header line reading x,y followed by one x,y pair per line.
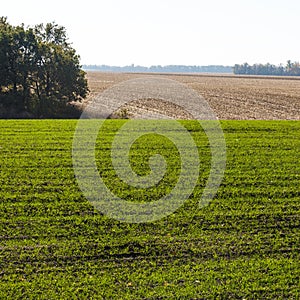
x,y
243,245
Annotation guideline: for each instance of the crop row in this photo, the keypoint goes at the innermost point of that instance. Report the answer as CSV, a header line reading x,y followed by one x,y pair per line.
x,y
244,244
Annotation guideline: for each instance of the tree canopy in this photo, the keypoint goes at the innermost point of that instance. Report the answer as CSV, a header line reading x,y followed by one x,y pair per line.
x,y
40,72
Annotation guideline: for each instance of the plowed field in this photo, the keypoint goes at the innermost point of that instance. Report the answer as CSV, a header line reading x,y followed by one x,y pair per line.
x,y
231,97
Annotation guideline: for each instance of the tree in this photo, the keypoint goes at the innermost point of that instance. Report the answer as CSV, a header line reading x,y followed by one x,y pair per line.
x,y
291,69
4,49
40,71
59,78
12,47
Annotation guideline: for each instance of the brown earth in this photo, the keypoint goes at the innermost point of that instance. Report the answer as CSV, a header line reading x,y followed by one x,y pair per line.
x,y
231,97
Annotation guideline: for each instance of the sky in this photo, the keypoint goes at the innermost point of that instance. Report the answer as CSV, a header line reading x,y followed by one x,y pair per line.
x,y
170,32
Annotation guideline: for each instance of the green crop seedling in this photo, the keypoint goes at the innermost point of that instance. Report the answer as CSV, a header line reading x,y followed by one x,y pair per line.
x,y
244,245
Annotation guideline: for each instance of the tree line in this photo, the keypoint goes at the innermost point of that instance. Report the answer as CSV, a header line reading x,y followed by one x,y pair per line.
x,y
161,69
290,69
40,73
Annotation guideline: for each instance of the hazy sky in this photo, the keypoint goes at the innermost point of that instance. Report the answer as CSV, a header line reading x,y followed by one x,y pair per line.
x,y
190,32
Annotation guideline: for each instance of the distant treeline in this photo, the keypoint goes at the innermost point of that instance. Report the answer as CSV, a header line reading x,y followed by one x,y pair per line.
x,y
161,69
290,69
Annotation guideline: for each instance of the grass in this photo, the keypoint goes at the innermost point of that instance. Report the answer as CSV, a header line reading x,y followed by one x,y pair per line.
x,y
243,245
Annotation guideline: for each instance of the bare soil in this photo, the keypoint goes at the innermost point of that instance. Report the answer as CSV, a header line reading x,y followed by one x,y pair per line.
x,y
231,97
